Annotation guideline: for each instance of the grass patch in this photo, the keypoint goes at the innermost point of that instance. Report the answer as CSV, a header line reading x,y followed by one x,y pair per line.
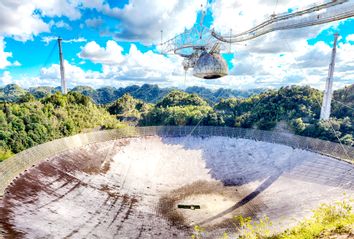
x,y
5,154
328,221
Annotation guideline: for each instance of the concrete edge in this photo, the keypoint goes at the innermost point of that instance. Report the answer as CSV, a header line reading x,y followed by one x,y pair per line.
x,y
11,168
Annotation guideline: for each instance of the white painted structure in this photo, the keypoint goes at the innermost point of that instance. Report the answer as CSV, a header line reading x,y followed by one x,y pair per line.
x,y
327,97
130,188
62,71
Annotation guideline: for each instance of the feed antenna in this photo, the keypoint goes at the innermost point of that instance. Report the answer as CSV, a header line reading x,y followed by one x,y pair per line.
x,y
201,47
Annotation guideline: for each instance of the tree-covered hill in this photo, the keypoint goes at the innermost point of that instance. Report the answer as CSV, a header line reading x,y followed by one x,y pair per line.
x,y
107,95
214,96
345,95
42,91
11,93
180,108
265,110
343,103
129,109
298,106
31,122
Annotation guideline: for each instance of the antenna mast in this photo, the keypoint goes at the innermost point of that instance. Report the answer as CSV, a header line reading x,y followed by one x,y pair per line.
x,y
327,98
62,71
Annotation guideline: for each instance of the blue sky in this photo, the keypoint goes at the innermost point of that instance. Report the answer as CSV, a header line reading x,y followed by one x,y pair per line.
x,y
113,43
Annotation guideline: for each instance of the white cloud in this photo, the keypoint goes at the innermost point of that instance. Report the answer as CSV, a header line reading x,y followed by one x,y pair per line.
x,y
147,66
241,15
93,4
350,38
94,22
118,70
17,63
142,20
58,8
267,61
133,65
60,24
278,58
22,19
4,55
80,39
110,76
74,75
4,62
307,65
112,54
50,76
251,69
5,78
18,20
315,56
48,39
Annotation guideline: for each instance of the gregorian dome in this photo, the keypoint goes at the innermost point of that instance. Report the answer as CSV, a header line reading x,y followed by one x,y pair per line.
x,y
210,66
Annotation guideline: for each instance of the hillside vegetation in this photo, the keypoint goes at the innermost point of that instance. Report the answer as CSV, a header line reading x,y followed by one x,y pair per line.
x,y
106,95
31,122
329,221
298,106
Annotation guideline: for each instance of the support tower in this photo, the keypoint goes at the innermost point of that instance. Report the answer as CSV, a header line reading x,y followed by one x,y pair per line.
x,y
62,72
327,97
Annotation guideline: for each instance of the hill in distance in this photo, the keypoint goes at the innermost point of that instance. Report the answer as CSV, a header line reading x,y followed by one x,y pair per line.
x,y
106,95
27,121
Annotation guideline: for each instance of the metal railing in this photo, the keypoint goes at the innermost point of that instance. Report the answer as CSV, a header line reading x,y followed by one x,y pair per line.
x,y
14,166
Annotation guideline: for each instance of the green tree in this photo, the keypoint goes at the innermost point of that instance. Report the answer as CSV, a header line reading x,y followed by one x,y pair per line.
x,y
31,122
298,125
180,98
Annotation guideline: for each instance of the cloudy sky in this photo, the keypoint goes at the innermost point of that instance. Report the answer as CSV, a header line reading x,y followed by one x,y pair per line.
x,y
113,43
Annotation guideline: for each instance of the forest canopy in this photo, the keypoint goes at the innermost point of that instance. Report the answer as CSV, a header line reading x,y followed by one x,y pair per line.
x,y
30,122
27,119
